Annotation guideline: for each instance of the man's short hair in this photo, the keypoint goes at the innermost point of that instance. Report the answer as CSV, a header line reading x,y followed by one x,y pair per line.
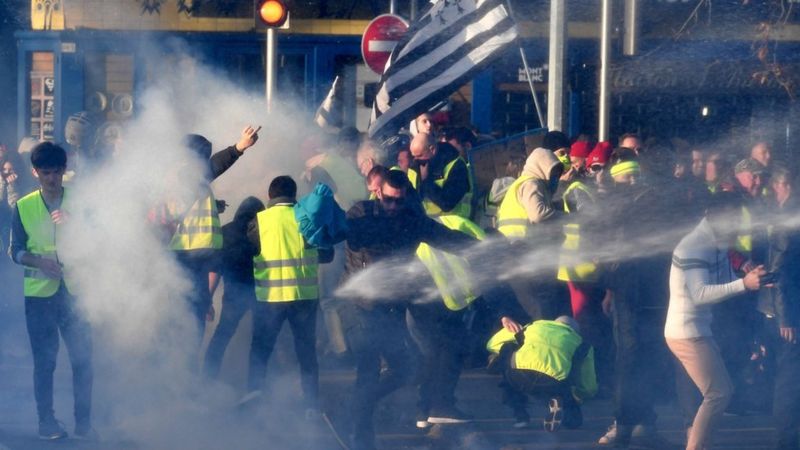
x,y
282,186
48,155
397,179
378,171
198,144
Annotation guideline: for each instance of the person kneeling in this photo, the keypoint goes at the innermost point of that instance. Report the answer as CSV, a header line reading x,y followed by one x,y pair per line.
x,y
546,358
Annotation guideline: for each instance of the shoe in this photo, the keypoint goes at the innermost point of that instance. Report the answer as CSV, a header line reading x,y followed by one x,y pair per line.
x,y
422,421
616,436
249,399
646,436
86,433
521,418
449,415
50,429
554,416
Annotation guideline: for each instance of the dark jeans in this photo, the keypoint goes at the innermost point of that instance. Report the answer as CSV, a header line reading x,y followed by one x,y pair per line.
x,y
197,264
641,361
441,337
786,398
518,384
268,317
236,301
373,334
45,318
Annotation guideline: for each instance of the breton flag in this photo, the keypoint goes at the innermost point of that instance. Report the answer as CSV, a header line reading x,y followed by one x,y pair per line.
x,y
440,52
329,113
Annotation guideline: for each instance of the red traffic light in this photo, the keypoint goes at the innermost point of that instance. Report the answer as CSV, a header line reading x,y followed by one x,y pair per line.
x,y
272,13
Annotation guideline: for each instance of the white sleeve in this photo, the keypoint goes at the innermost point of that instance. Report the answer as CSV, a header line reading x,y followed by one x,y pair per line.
x,y
701,292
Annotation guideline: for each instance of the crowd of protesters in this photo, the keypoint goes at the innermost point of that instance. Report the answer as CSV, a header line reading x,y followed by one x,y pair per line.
x,y
673,265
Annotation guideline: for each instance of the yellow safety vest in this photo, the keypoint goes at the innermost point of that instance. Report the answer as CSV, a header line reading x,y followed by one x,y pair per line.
x,y
200,227
451,273
744,241
42,239
285,270
570,268
549,348
349,183
512,219
464,206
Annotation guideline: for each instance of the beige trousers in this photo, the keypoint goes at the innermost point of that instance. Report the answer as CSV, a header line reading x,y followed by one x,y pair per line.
x,y
702,361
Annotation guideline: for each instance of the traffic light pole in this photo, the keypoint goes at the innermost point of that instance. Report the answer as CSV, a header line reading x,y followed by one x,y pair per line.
x,y
271,63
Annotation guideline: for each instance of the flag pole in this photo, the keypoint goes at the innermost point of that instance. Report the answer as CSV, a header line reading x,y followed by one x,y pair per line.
x,y
527,72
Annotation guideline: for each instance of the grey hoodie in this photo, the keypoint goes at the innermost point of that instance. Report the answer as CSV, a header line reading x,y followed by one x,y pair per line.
x,y
535,195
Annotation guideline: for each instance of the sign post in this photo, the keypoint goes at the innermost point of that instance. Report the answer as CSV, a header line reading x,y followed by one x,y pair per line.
x,y
380,38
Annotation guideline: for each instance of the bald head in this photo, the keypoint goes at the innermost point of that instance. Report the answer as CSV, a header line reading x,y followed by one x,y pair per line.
x,y
423,147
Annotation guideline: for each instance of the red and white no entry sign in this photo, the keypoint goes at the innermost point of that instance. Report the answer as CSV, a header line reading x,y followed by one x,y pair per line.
x,y
379,38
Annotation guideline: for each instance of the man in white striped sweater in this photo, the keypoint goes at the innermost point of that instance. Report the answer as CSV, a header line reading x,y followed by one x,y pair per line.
x,y
702,275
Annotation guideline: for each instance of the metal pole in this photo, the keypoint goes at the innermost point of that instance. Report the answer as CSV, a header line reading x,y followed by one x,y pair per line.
x,y
271,61
527,71
413,12
630,45
558,50
605,57
392,6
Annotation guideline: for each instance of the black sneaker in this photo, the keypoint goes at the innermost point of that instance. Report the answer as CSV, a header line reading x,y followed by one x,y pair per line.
x,y
521,418
573,416
448,415
50,429
554,416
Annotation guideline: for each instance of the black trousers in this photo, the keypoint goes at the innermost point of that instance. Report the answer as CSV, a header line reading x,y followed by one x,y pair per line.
x,y
236,301
373,335
268,317
518,384
441,337
46,318
197,264
786,397
641,361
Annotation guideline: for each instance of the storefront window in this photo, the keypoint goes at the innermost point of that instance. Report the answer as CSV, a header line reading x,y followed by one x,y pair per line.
x,y
42,99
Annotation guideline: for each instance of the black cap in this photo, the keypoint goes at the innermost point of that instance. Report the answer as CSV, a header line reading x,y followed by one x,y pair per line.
x,y
555,140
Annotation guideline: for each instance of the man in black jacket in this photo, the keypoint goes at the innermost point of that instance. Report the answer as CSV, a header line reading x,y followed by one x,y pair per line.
x,y
383,236
780,305
440,176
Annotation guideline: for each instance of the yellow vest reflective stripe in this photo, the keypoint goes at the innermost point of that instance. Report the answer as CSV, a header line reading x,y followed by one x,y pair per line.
x,y
451,273
512,219
285,270
464,206
744,241
350,186
42,238
570,267
200,227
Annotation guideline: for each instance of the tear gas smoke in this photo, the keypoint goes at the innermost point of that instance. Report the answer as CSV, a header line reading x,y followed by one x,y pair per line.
x,y
130,286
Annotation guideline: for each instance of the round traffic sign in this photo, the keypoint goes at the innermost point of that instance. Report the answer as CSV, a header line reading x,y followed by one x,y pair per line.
x,y
379,38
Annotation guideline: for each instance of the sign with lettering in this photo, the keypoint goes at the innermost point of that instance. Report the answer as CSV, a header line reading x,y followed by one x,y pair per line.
x,y
538,74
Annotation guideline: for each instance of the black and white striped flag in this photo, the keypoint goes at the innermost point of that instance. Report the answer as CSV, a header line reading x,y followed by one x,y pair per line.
x,y
441,51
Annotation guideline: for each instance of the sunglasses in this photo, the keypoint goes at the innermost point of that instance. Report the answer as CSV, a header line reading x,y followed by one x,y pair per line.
x,y
388,199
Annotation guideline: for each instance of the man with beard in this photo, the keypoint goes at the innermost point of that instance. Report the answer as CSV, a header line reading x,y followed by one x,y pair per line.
x,y
387,230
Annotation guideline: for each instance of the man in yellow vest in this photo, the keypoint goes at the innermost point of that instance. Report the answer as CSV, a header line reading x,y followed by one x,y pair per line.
x,y
50,308
546,358
196,231
287,288
529,219
440,176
